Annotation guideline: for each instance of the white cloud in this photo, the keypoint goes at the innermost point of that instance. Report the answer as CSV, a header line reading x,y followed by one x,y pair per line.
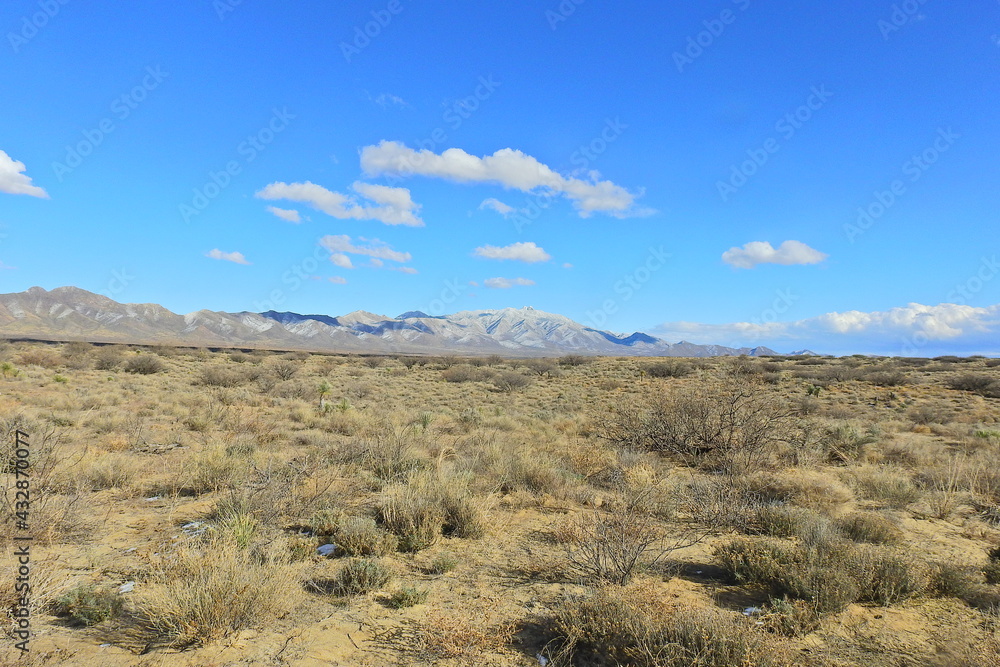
x,y
405,269
508,167
337,280
14,181
761,252
374,248
522,252
567,265
235,257
341,260
914,329
507,283
289,215
497,205
393,205
385,99
377,263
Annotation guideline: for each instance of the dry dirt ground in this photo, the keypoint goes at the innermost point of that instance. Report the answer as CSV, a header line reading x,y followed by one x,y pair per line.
x,y
578,511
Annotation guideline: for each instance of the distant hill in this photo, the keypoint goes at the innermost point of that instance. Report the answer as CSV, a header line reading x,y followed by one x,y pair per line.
x,y
70,313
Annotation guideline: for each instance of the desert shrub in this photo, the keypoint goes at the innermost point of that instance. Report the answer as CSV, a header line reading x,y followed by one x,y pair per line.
x,y
372,361
144,364
464,373
211,470
830,576
846,443
361,536
194,595
992,568
780,520
222,376
790,618
88,604
545,367
108,359
574,360
805,488
464,514
930,414
870,528
634,629
283,369
412,513
977,383
510,381
734,425
894,488
386,450
443,563
887,378
407,596
669,369
361,575
992,363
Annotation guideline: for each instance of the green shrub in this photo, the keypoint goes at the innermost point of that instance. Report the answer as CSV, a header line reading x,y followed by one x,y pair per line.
x,y
443,563
361,536
361,575
408,596
88,604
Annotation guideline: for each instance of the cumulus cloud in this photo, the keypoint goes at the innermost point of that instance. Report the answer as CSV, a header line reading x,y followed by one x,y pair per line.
x,y
497,205
289,215
522,252
914,329
342,246
507,167
392,206
341,260
507,283
235,257
14,181
762,252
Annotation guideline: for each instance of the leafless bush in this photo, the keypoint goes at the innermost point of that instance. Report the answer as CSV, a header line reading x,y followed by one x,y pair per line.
x,y
510,381
734,425
144,364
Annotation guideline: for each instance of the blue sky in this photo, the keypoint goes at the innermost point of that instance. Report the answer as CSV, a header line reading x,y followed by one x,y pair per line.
x,y
730,172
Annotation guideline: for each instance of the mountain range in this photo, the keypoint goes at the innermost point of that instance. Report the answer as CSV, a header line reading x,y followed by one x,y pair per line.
x,y
70,313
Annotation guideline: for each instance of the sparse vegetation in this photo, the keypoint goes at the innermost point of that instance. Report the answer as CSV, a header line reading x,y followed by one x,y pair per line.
x,y
265,490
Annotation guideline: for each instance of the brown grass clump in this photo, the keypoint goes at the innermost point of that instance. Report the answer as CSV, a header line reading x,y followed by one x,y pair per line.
x,y
631,627
197,594
468,633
